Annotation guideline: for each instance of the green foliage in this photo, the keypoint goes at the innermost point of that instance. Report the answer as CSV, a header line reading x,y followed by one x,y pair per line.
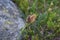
x,y
47,24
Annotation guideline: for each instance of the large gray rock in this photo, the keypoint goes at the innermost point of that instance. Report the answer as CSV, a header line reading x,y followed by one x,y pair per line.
x,y
10,21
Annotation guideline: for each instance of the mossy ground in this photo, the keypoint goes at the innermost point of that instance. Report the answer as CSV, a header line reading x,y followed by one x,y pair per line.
x,y
47,23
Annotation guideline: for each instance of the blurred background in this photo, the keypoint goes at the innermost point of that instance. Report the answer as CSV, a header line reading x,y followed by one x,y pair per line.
x,y
46,16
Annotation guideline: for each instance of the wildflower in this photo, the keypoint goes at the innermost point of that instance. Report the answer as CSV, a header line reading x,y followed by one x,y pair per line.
x,y
31,18
50,9
51,3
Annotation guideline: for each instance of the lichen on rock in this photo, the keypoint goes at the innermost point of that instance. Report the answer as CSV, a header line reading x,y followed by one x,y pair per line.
x,y
10,20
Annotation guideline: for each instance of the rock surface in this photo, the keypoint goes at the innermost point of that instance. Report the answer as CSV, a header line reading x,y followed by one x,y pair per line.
x,y
10,21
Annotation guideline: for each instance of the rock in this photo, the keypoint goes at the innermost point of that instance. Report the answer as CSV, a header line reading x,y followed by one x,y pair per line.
x,y
10,20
